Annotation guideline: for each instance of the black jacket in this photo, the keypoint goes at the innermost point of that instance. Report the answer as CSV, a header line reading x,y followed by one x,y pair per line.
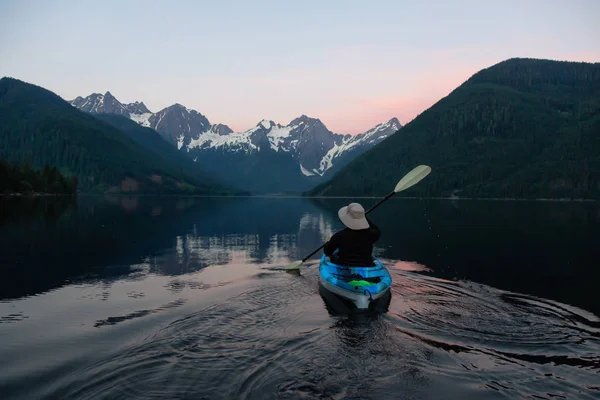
x,y
355,247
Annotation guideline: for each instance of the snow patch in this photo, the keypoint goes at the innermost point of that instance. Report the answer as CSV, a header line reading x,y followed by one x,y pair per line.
x,y
142,119
327,160
277,136
349,143
161,115
210,139
306,172
241,140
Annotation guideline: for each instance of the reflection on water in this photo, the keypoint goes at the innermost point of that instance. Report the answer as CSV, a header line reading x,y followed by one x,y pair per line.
x,y
187,235
406,265
27,211
185,298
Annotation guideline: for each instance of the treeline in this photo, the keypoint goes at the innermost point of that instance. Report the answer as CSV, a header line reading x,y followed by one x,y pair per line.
x,y
17,178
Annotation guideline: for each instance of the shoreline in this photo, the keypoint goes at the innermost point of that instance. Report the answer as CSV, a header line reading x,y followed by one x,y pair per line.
x,y
451,198
291,196
32,195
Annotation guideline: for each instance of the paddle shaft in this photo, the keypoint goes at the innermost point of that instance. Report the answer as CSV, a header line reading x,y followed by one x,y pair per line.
x,y
366,212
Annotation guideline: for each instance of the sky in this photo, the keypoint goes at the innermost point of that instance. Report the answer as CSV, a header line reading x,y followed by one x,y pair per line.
x,y
352,64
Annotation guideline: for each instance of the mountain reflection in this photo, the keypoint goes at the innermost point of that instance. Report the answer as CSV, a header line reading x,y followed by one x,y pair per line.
x,y
172,235
526,247
201,248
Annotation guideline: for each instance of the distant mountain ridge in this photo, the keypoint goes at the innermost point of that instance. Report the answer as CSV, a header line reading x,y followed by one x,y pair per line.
x,y
523,128
109,155
97,103
305,148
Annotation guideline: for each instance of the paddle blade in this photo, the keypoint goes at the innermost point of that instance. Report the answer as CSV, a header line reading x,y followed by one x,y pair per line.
x,y
412,178
293,265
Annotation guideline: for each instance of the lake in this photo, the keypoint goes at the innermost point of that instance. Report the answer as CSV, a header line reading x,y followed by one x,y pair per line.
x,y
185,298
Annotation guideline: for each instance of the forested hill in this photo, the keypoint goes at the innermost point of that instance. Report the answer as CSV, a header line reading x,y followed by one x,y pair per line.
x,y
522,128
37,125
153,142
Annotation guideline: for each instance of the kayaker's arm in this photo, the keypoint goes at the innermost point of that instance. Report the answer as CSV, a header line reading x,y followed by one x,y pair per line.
x,y
375,231
331,245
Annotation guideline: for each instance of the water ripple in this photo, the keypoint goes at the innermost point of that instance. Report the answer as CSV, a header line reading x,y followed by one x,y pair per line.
x,y
13,317
511,340
276,339
138,314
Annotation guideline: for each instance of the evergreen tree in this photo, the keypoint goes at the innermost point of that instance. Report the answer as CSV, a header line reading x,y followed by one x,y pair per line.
x,y
24,179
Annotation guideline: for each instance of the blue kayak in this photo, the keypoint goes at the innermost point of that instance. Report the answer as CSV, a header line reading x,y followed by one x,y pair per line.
x,y
361,285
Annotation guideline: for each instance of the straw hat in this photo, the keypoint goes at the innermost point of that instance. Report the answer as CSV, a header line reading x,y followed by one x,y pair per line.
x,y
353,216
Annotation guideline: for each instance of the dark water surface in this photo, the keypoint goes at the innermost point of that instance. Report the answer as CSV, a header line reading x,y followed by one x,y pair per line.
x,y
124,297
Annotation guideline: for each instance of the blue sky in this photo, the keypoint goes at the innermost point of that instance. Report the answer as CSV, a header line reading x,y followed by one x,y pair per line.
x,y
352,64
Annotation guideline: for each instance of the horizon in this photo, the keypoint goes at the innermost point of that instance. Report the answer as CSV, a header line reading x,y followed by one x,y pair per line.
x,y
351,65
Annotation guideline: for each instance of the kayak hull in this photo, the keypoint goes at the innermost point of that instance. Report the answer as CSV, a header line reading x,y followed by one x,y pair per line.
x,y
360,285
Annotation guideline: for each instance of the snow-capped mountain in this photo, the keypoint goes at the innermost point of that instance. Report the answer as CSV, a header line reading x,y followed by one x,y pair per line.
x,y
305,139
304,148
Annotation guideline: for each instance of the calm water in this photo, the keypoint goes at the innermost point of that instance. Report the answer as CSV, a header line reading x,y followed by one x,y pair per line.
x,y
185,298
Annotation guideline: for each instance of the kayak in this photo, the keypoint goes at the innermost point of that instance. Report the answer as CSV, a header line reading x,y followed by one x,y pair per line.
x,y
360,285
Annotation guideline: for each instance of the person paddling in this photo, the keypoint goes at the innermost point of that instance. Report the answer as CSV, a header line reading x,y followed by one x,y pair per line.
x,y
354,244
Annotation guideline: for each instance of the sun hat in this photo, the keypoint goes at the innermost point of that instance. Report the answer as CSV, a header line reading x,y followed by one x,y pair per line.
x,y
353,216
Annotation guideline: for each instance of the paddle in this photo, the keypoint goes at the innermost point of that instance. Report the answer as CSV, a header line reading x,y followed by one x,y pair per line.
x,y
410,179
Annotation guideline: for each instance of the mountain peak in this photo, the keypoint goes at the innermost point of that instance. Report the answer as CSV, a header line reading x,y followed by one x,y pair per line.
x,y
382,130
306,120
179,106
221,129
393,124
266,123
138,107
100,103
